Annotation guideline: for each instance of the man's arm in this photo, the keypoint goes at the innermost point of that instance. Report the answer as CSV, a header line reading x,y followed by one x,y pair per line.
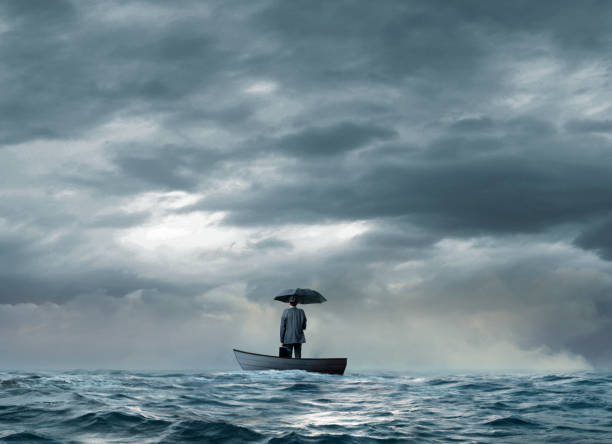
x,y
304,323
283,327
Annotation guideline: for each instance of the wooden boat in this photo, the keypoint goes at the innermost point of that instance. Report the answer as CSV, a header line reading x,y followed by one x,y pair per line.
x,y
255,361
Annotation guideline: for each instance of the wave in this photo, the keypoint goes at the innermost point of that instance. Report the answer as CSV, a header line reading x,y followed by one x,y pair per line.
x,y
202,400
574,405
113,422
442,381
511,421
557,378
15,414
300,386
296,438
203,431
27,437
483,386
591,381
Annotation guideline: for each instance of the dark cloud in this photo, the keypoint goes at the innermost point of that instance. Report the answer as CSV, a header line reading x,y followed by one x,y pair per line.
x,y
454,185
527,126
271,243
155,166
448,148
598,238
593,345
336,139
162,169
589,126
29,287
473,125
68,72
578,26
49,15
360,42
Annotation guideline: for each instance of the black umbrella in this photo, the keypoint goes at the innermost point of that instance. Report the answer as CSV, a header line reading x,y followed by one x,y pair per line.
x,y
303,296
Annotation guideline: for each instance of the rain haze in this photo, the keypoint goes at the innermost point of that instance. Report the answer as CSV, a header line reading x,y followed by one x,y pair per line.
x,y
441,171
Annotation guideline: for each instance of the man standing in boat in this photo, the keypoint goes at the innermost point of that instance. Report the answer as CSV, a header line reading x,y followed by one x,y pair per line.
x,y
293,324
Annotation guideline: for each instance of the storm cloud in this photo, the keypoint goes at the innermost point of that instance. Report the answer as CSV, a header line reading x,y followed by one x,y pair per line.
x,y
440,171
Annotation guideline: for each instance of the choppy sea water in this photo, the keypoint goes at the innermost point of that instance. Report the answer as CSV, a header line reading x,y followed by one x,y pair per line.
x,y
300,407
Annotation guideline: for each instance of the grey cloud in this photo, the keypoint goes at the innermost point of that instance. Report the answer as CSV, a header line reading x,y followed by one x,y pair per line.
x,y
109,183
525,126
571,25
370,43
32,286
312,146
473,125
14,254
65,75
597,238
594,346
160,170
395,236
458,185
153,66
448,148
335,139
500,194
271,243
37,268
46,14
529,126
347,43
589,126
148,167
229,116
120,219
532,303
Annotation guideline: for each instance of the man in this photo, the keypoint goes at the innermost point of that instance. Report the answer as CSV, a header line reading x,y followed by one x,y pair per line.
x,y
293,324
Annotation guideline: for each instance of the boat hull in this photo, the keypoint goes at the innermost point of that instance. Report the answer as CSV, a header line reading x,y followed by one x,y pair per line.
x,y
255,361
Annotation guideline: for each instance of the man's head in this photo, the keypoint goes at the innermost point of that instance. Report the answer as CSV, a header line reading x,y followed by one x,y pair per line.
x,y
293,301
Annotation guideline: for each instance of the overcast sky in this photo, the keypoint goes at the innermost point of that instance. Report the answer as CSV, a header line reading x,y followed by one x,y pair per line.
x,y
440,170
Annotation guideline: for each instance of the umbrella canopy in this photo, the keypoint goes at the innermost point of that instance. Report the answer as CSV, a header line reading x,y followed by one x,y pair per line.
x,y
303,296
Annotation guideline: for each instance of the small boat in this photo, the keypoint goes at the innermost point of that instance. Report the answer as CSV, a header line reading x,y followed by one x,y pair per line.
x,y
255,361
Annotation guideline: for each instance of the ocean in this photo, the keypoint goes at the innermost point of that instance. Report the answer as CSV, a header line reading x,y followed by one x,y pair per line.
x,y
299,407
